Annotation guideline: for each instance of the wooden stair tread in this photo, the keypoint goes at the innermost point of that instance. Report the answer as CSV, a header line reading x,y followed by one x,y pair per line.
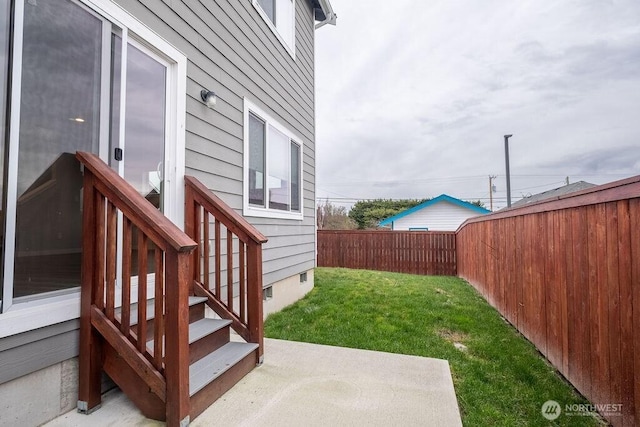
x,y
200,329
207,369
151,309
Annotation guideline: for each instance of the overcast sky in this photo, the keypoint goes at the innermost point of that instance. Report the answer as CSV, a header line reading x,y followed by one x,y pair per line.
x,y
413,98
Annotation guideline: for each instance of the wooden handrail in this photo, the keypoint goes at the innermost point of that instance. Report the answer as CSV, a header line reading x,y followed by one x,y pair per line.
x,y
133,205
162,248
214,204
243,252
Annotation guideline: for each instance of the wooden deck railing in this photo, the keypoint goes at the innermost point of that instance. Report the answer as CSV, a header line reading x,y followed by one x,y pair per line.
x,y
153,252
227,264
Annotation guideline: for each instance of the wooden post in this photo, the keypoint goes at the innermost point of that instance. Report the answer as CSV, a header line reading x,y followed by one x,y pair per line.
x,y
90,364
254,296
177,337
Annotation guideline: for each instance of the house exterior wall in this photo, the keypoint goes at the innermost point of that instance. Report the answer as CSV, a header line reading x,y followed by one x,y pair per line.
x,y
443,216
231,51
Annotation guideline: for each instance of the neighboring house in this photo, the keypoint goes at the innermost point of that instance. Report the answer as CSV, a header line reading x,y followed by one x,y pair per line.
x,y
556,192
128,80
443,213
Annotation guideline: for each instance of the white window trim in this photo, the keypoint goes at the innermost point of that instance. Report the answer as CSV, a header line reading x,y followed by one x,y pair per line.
x,y
290,49
250,210
38,313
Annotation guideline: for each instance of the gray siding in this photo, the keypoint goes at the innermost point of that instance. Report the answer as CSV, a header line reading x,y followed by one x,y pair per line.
x,y
232,51
30,351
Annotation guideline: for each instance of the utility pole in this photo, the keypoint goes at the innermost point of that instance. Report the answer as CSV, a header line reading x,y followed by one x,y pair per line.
x,y
506,159
491,189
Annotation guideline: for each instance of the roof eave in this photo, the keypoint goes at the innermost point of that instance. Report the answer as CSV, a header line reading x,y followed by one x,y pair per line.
x,y
440,198
324,13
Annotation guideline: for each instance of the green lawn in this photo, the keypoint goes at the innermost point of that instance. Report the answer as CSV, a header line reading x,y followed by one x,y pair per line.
x,y
500,379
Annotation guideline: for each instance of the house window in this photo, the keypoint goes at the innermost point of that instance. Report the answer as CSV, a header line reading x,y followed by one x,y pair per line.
x,y
273,167
280,16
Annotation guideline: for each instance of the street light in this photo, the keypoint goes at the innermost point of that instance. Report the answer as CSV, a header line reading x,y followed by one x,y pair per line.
x,y
506,159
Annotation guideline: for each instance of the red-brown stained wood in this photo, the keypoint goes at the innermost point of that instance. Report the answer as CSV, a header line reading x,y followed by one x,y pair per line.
x,y
553,293
578,257
192,228
142,292
213,204
144,215
129,381
177,337
634,217
106,194
98,266
602,373
612,287
217,263
112,222
159,318
203,398
242,285
562,243
627,369
254,296
89,365
247,320
125,314
594,312
206,250
216,305
230,270
580,330
126,350
413,252
519,279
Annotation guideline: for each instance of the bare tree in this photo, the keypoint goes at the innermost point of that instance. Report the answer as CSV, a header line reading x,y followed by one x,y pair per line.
x,y
330,217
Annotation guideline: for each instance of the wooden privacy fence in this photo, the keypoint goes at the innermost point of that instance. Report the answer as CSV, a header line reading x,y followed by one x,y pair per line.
x,y
566,273
414,252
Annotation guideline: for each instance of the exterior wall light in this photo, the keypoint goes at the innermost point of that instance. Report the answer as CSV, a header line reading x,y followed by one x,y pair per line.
x,y
208,97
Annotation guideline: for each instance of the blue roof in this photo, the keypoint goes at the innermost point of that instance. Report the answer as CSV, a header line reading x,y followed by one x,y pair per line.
x,y
440,198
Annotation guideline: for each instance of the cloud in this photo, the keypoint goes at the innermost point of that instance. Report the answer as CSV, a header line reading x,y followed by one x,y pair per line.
x,y
411,97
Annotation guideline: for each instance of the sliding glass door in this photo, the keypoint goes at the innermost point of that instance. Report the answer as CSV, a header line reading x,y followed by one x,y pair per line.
x,y
4,86
81,83
59,114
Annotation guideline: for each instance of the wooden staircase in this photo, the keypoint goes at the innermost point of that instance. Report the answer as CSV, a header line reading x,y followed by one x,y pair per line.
x,y
169,359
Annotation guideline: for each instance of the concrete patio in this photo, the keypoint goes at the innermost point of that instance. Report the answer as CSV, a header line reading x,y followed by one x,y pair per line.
x,y
315,385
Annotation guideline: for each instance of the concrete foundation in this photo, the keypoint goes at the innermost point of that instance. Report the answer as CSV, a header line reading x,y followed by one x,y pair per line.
x,y
41,396
287,291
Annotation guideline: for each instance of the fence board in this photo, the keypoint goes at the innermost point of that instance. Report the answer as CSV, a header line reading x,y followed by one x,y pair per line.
x,y
634,217
413,252
568,277
626,310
